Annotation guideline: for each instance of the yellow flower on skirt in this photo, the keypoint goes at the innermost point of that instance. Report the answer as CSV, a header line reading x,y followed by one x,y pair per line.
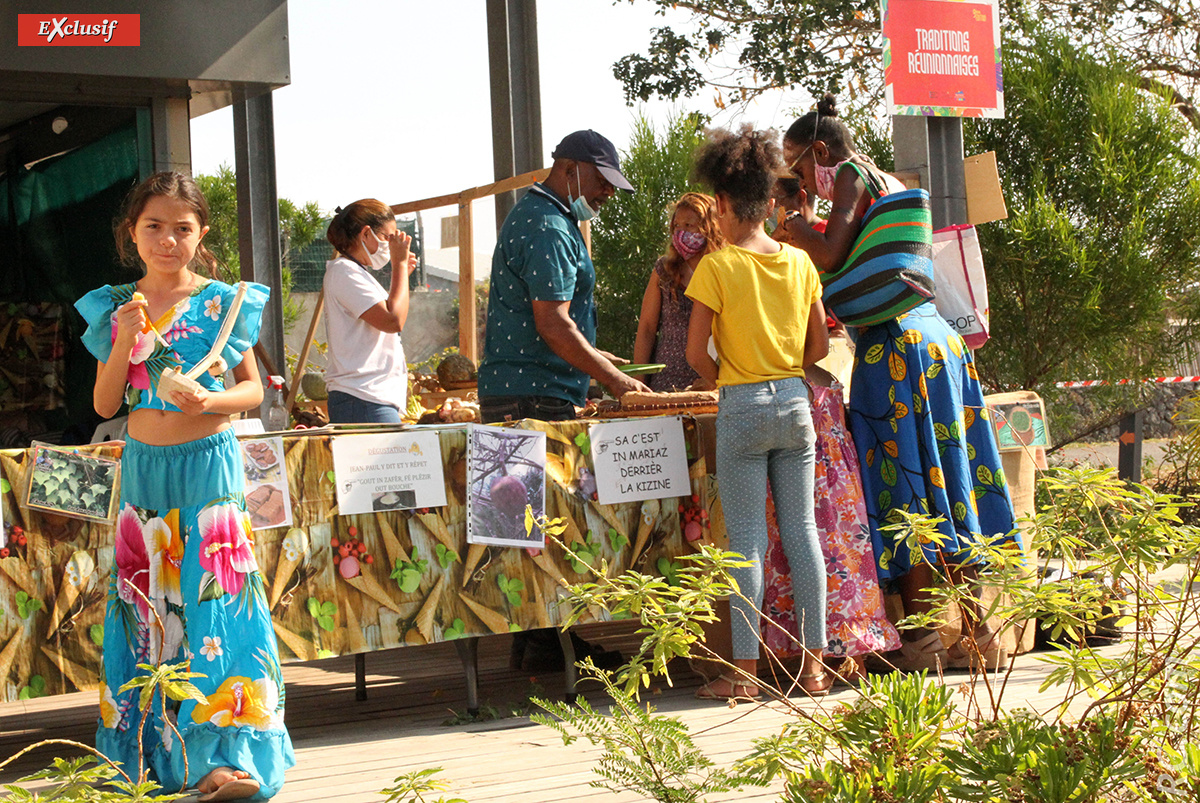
x,y
240,702
110,714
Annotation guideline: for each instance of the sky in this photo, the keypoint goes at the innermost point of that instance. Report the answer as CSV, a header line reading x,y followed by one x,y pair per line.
x,y
390,98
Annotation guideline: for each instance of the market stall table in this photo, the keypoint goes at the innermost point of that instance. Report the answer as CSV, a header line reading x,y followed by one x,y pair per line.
x,y
423,583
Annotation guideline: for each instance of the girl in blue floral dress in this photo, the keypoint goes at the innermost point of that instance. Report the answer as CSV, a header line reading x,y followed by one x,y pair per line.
x,y
185,584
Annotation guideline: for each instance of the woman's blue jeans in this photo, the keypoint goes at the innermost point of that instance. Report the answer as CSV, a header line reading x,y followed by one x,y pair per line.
x,y
347,409
765,433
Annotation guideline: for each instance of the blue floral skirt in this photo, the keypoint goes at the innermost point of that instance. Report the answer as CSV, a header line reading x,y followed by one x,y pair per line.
x,y
185,586
924,439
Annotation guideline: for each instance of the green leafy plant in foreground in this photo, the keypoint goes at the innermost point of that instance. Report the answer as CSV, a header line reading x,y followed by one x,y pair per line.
x,y
643,753
414,787
95,778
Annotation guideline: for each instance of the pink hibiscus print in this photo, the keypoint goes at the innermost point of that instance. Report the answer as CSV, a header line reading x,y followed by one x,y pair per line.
x,y
225,550
133,564
143,347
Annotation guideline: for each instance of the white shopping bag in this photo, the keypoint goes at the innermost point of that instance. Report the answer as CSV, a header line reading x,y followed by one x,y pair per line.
x,y
960,283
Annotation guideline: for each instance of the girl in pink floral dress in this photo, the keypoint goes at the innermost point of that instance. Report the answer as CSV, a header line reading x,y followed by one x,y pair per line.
x,y
184,555
855,620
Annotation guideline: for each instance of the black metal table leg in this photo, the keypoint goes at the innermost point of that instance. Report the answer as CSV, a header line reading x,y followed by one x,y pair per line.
x,y
360,676
571,675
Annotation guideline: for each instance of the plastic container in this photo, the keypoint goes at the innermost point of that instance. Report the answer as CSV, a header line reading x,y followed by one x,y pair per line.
x,y
277,416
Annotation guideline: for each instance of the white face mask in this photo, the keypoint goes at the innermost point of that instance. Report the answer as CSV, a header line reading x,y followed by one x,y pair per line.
x,y
382,255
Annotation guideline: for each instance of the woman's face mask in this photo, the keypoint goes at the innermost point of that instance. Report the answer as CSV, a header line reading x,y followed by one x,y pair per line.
x,y
382,255
688,243
825,177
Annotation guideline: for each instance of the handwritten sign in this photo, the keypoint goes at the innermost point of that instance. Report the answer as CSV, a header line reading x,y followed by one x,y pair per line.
x,y
390,471
639,460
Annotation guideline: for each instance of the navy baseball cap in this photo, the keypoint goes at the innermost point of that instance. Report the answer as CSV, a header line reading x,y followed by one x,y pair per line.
x,y
588,146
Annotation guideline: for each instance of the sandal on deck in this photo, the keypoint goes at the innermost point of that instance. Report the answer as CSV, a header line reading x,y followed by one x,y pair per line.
x,y
707,692
238,785
926,653
825,681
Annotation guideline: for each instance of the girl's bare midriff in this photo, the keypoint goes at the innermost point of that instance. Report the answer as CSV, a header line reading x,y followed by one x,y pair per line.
x,y
171,427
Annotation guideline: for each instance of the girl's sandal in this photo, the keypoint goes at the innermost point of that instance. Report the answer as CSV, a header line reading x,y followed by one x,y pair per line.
x,y
987,654
707,692
924,654
226,783
816,684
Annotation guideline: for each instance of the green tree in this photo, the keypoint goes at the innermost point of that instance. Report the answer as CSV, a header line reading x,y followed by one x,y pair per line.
x,y
740,49
298,226
1093,274
631,231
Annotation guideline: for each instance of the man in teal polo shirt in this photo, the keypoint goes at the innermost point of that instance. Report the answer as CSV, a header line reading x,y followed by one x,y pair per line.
x,y
540,351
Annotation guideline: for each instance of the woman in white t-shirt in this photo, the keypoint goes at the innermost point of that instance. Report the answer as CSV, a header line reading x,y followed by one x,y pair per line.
x,y
366,373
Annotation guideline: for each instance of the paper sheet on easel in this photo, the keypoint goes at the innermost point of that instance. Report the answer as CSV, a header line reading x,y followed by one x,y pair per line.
x,y
985,199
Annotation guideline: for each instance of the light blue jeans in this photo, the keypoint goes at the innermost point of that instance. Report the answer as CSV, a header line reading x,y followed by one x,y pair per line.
x,y
765,432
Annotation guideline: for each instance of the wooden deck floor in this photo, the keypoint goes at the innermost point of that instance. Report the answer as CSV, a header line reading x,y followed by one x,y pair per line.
x,y
348,750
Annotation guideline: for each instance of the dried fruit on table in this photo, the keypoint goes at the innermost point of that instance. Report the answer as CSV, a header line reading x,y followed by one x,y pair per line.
x,y
457,411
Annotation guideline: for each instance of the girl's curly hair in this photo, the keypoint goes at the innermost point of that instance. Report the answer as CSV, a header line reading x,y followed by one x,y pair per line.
x,y
741,165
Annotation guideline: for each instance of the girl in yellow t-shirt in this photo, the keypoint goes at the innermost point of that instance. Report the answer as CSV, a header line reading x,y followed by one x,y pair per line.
x,y
761,302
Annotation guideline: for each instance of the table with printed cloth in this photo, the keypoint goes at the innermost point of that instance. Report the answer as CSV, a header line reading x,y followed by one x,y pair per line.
x,y
55,571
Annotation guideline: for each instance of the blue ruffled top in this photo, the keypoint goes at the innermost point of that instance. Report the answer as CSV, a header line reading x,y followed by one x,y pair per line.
x,y
189,329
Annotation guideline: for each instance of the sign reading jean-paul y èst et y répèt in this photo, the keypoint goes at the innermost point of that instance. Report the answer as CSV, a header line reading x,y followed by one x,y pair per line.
x,y
942,58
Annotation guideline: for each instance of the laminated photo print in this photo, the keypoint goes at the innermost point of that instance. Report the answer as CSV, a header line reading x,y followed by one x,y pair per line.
x,y
70,482
506,486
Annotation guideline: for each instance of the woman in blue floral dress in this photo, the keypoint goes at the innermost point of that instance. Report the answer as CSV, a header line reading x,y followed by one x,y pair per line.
x,y
185,584
916,411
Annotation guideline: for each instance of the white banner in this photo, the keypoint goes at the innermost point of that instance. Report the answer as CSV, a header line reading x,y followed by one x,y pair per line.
x,y
390,471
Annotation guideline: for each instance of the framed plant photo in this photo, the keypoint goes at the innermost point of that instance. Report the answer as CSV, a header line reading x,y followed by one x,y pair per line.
x,y
70,483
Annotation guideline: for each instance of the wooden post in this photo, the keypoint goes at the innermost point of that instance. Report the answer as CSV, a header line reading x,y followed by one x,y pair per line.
x,y
585,228
467,344
302,360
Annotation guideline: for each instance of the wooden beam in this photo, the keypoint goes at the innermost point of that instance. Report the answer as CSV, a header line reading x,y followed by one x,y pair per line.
x,y
506,185
496,187
467,344
428,203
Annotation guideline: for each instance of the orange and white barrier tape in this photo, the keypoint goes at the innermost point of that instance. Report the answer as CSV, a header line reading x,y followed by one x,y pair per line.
x,y
1160,380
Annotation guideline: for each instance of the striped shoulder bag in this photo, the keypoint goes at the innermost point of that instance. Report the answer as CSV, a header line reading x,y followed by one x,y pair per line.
x,y
890,268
